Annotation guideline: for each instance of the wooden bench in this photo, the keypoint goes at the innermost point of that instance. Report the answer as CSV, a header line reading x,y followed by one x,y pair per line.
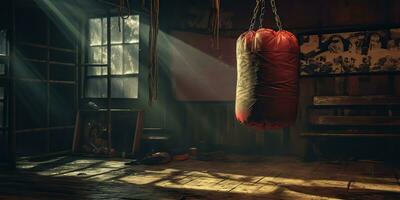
x,y
325,122
378,100
328,120
359,134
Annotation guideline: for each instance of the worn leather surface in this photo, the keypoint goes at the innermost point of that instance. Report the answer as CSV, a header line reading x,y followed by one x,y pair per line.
x,y
267,78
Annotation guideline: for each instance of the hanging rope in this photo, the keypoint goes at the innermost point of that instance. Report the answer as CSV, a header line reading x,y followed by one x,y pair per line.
x,y
144,6
277,18
262,11
153,33
260,7
121,9
215,22
255,12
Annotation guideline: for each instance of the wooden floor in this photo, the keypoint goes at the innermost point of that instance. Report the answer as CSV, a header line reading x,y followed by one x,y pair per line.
x,y
235,177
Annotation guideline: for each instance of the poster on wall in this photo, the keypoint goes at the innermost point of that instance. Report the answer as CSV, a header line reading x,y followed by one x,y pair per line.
x,y
350,52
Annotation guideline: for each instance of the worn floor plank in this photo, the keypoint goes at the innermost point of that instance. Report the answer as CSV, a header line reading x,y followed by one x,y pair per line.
x,y
267,178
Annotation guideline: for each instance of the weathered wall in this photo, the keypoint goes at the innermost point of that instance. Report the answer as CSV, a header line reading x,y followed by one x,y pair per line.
x,y
295,15
214,122
4,19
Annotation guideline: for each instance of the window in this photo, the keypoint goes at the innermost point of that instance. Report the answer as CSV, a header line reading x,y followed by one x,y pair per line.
x,y
3,50
124,58
4,56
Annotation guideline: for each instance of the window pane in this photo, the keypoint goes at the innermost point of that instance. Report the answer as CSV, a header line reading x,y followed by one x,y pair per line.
x,y
96,87
124,57
117,87
131,59
124,87
98,55
131,87
95,31
3,42
1,113
131,29
1,92
2,69
116,59
95,55
116,34
96,71
104,31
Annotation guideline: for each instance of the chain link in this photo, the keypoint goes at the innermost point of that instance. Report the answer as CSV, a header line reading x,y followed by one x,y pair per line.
x,y
260,7
255,11
277,18
262,13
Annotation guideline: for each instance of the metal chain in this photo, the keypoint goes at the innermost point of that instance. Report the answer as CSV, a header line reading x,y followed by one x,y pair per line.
x,y
277,18
255,11
262,13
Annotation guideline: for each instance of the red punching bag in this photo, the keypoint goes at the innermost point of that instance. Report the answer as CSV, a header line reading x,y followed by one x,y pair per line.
x,y
267,75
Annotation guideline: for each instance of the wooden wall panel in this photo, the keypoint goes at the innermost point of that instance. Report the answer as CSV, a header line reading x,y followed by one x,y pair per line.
x,y
347,13
45,93
369,85
307,91
298,16
397,85
295,15
212,126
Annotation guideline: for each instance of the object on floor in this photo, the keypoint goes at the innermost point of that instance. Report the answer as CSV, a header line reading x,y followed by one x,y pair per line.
x,y
152,159
181,157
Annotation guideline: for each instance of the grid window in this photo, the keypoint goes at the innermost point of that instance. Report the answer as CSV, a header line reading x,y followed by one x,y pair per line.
x,y
3,43
3,50
124,61
3,63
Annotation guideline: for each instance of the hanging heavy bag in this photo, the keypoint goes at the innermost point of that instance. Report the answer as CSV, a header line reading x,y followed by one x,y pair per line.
x,y
267,75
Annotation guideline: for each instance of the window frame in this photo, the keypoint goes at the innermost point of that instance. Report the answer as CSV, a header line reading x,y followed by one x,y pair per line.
x,y
87,65
4,82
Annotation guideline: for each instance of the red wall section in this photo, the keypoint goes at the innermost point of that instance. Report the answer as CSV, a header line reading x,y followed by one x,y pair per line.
x,y
199,71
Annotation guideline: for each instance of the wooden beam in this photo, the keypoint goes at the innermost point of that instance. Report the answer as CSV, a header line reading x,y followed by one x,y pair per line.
x,y
94,65
138,133
355,100
112,110
12,151
45,156
45,129
49,62
350,135
47,46
109,123
77,132
354,120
